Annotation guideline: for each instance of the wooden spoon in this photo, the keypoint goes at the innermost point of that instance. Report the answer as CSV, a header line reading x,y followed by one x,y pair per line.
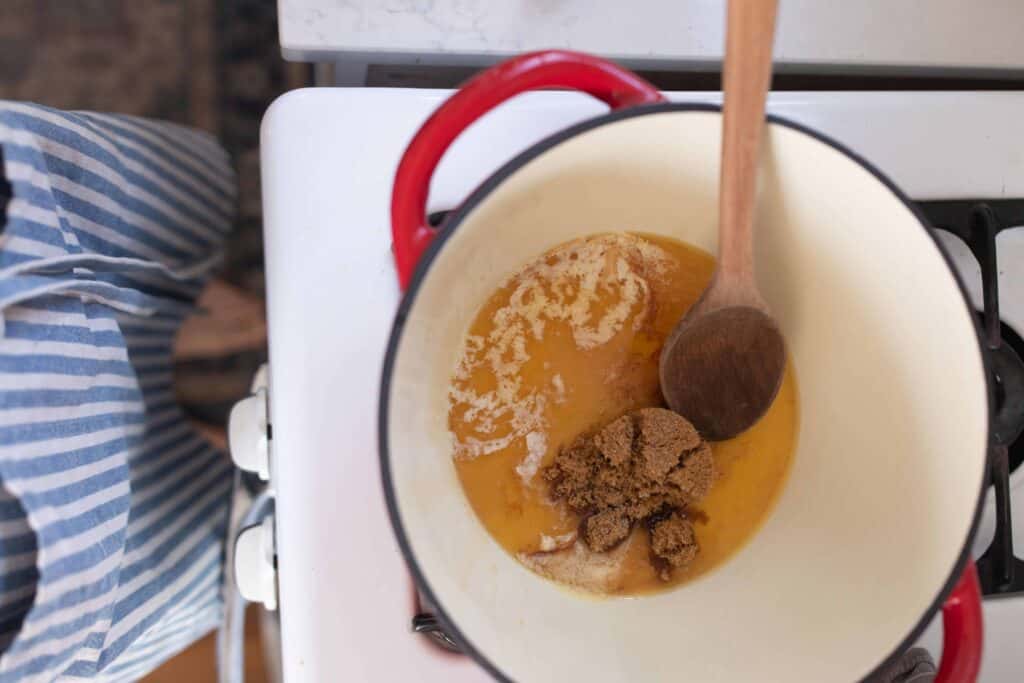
x,y
722,365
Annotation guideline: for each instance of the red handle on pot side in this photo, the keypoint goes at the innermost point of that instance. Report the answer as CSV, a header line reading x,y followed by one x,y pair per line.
x,y
607,82
618,88
963,630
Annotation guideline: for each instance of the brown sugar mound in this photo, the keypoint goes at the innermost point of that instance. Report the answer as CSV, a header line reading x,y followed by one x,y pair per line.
x,y
664,438
606,529
648,465
673,543
695,475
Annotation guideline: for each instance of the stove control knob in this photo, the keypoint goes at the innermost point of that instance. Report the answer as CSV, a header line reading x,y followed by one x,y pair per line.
x,y
249,432
256,563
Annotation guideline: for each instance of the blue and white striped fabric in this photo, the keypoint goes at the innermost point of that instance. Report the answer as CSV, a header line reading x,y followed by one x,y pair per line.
x,y
113,511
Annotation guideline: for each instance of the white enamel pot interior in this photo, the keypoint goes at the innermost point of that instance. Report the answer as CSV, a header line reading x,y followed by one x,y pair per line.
x,y
870,532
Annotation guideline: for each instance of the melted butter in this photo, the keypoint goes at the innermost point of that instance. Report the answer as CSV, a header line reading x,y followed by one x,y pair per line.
x,y
517,392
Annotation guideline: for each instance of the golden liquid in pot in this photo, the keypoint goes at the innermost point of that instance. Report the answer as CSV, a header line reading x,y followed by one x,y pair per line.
x,y
530,380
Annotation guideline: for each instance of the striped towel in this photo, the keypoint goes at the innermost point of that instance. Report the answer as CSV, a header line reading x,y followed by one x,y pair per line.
x,y
113,511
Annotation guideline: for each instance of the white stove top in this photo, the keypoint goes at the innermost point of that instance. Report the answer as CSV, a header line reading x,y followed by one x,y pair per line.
x,y
328,158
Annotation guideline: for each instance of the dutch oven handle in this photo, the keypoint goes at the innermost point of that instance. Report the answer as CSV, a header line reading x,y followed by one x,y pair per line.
x,y
962,630
609,83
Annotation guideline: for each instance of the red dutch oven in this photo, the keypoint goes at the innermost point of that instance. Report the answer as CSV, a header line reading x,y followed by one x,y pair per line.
x,y
870,536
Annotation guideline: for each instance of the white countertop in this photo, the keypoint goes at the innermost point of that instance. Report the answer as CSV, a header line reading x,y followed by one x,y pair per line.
x,y
905,36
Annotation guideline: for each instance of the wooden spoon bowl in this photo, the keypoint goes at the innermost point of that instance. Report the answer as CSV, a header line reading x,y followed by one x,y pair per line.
x,y
725,370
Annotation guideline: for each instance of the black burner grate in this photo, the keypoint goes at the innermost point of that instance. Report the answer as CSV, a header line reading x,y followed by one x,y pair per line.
x,y
1015,342
977,223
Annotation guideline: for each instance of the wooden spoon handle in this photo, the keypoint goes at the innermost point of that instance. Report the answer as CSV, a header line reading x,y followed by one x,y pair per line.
x,y
750,29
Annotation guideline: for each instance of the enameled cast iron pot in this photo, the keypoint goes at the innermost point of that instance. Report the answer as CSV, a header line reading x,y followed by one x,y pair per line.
x,y
870,536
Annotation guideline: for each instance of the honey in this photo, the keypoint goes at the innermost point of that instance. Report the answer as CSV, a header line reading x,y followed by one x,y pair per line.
x,y
566,345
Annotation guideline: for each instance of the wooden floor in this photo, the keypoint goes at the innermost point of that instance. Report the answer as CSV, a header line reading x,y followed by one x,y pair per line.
x,y
198,664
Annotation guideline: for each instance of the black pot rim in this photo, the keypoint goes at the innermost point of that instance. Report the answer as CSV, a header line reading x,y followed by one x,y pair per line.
x,y
455,219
